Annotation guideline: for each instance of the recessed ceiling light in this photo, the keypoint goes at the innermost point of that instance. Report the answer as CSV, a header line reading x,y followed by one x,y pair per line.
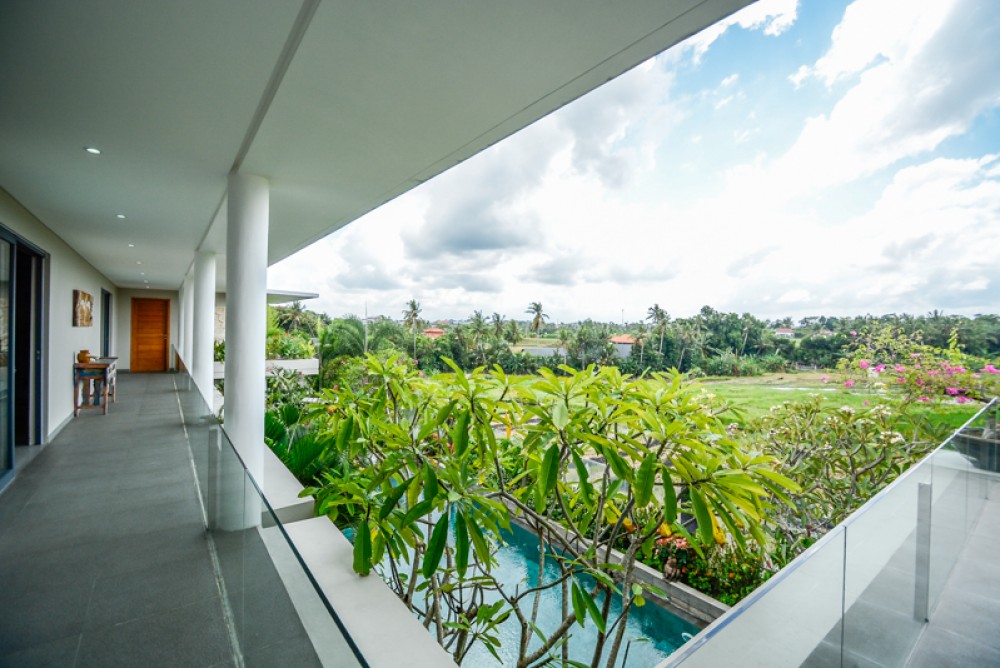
x,y
142,273
93,150
131,245
120,216
137,262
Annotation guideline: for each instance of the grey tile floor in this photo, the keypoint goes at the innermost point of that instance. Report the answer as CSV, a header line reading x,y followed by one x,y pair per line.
x,y
964,629
103,553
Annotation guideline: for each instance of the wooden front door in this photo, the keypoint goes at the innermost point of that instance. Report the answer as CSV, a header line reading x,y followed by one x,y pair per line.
x,y
150,334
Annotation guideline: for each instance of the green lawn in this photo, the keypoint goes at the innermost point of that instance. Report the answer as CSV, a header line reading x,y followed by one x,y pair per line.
x,y
536,342
756,395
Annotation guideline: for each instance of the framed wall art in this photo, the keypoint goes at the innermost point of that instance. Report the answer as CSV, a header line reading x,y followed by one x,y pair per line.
x,y
83,309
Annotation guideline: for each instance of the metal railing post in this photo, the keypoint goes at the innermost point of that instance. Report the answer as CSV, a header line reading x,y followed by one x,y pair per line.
x,y
922,580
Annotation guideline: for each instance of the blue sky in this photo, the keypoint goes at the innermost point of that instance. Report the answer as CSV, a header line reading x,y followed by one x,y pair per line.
x,y
799,158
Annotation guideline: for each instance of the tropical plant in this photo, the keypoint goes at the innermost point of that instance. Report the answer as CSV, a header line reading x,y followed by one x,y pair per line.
x,y
436,483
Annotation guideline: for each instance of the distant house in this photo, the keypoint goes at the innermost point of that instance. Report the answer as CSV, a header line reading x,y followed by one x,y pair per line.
x,y
433,332
623,345
784,333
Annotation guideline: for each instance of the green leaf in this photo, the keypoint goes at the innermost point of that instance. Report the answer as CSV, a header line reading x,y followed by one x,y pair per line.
x,y
560,415
392,498
644,479
549,473
669,497
579,606
415,512
413,493
479,542
344,435
430,482
460,436
461,544
595,613
615,461
435,546
702,515
362,549
583,475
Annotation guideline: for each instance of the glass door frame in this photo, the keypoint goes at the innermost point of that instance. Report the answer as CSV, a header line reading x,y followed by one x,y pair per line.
x,y
7,405
39,277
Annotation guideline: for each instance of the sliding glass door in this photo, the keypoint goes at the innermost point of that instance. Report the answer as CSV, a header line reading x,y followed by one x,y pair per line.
x,y
6,385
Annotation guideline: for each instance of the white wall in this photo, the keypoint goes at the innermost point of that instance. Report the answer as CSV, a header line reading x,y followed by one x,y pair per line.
x,y
125,296
65,271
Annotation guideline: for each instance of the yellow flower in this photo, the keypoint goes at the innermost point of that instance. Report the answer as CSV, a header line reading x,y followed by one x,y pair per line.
x,y
717,532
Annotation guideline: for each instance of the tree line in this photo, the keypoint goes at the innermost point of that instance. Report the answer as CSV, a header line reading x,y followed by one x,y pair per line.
x,y
710,342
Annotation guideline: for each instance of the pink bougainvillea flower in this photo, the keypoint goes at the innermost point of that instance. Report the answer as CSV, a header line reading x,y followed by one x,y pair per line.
x,y
849,383
920,381
924,399
951,390
900,368
853,333
865,402
879,369
962,399
900,379
914,354
864,364
823,379
932,373
976,375
989,368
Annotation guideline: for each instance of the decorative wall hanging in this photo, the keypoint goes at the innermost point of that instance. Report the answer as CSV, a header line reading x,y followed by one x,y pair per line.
x,y
83,309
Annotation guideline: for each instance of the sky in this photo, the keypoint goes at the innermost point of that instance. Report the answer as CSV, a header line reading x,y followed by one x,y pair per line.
x,y
796,159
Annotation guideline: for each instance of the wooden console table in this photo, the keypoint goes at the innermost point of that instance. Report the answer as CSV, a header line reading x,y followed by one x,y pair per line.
x,y
93,383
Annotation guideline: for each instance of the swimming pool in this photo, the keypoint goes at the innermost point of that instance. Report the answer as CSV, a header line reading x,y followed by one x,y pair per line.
x,y
517,564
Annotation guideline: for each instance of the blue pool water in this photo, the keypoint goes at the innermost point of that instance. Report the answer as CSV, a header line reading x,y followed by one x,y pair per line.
x,y
518,565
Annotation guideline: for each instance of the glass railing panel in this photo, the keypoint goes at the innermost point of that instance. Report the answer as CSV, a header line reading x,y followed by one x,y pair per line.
x,y
881,577
959,495
897,552
276,613
796,623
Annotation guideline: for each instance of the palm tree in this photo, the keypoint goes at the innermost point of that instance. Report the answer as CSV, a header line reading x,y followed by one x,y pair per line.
x,y
411,319
479,328
640,340
291,317
497,320
538,316
513,333
565,336
660,319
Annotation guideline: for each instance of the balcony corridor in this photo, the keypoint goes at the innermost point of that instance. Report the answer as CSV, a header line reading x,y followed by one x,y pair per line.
x,y
105,560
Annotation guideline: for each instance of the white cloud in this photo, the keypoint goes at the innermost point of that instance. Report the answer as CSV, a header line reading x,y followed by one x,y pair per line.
x,y
856,213
773,17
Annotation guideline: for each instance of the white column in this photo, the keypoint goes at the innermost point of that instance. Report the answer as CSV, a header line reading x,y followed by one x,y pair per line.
x,y
203,330
246,317
187,351
181,313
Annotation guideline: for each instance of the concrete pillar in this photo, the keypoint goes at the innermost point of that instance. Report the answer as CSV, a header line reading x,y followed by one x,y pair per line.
x,y
203,331
246,317
180,321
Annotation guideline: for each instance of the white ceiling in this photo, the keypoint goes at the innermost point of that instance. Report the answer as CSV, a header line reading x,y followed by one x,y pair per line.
x,y
342,105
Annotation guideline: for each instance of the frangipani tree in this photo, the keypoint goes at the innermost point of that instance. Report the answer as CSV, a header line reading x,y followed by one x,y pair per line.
x,y
444,465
